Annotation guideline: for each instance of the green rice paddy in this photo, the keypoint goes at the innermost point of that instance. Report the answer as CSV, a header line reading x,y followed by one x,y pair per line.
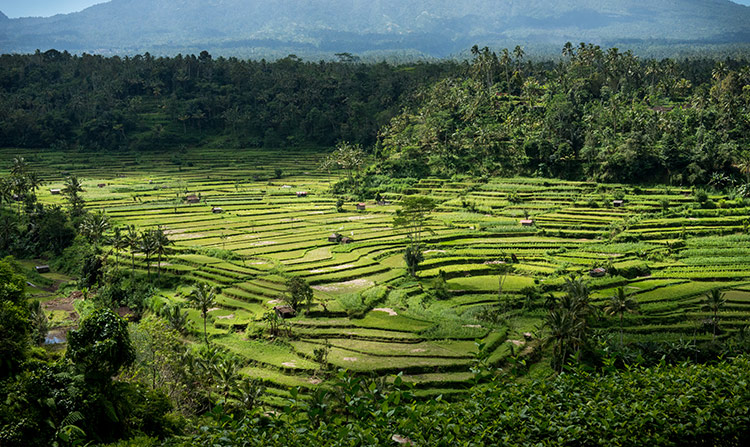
x,y
375,319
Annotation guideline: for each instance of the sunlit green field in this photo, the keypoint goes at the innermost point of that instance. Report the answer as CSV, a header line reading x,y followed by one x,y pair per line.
x,y
667,251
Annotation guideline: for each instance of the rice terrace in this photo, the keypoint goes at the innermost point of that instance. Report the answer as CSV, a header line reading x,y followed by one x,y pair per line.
x,y
255,223
485,276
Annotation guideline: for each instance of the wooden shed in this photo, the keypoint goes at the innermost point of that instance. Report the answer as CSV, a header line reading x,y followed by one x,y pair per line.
x,y
285,311
217,210
618,203
335,238
101,185
42,269
598,272
301,193
527,223
192,198
361,206
346,240
55,191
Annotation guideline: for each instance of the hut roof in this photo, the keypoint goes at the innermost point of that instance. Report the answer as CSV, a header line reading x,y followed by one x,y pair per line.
x,y
285,311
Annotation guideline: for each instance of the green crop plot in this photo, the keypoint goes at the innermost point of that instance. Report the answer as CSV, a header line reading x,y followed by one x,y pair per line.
x,y
476,283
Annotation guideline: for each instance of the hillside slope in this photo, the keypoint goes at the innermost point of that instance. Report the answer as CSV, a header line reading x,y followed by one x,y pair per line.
x,y
434,27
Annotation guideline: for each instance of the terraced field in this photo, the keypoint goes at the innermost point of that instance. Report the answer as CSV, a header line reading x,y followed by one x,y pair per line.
x,y
473,285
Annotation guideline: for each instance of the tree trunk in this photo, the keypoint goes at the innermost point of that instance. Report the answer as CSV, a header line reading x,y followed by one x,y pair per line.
x,y
205,333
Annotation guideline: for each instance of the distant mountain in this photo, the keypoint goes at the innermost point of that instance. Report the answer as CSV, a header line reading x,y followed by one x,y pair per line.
x,y
429,27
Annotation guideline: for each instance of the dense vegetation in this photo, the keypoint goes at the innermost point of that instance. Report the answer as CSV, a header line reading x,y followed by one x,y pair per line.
x,y
114,104
202,332
599,115
624,307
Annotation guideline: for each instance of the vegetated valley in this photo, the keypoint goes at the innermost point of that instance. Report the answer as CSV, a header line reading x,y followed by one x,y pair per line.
x,y
209,251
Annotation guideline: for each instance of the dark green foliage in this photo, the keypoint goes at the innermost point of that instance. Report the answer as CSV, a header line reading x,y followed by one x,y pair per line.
x,y
34,229
663,406
193,98
101,345
600,114
413,257
118,288
298,293
14,320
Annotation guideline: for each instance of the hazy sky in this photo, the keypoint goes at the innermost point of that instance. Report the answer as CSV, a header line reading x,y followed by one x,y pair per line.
x,y
45,8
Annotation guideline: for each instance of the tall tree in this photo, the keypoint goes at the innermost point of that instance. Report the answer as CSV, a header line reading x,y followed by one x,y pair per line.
x,y
619,304
161,245
71,191
715,301
203,297
413,216
94,226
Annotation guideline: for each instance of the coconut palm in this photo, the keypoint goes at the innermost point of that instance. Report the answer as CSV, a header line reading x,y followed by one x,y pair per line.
x,y
132,241
715,301
227,376
565,331
147,246
161,245
248,393
176,317
568,321
94,226
619,304
203,297
18,167
72,187
119,242
6,191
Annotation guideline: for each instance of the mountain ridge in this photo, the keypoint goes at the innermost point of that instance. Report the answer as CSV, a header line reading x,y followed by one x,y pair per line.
x,y
431,27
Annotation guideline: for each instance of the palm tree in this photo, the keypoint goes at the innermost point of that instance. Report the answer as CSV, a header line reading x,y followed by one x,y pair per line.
x,y
203,297
161,245
176,317
94,226
147,246
568,321
18,167
248,393
133,242
744,166
227,375
564,335
715,301
6,191
619,304
72,187
119,242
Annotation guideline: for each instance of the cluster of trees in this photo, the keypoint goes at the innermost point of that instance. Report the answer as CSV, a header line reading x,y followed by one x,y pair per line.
x,y
29,228
660,406
596,114
578,334
116,380
92,102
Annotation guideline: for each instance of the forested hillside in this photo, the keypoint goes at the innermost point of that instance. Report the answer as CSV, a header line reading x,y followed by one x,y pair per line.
x,y
114,104
598,114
